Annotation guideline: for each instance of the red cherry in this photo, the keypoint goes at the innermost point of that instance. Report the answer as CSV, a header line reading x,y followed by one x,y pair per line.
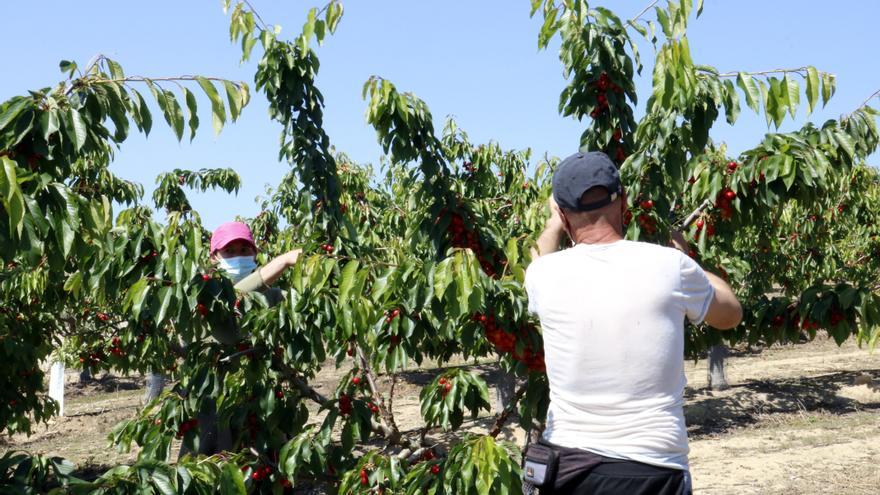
x,y
617,135
435,469
350,351
202,309
395,313
356,380
731,166
206,277
447,387
647,204
279,394
442,380
729,195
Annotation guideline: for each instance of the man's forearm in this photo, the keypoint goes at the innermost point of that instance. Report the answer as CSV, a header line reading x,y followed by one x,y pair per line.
x,y
550,238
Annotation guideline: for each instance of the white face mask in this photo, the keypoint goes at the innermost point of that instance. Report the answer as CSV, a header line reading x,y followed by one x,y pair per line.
x,y
238,267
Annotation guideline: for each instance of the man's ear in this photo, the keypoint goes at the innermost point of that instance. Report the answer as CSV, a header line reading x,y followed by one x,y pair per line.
x,y
566,225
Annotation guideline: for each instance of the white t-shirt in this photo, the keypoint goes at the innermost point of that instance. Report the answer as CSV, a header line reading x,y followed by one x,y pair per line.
x,y
612,317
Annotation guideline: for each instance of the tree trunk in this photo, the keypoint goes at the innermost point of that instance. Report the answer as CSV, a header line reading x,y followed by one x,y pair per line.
x,y
716,375
155,385
85,376
56,385
505,390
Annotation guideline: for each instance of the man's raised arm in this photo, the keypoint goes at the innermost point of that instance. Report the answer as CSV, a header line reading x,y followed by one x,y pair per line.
x,y
553,233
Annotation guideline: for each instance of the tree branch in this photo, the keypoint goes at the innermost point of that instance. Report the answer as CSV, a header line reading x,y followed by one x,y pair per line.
x,y
504,415
694,214
865,103
304,388
264,26
800,71
161,79
393,435
640,14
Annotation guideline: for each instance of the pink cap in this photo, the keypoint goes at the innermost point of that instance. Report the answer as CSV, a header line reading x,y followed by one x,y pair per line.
x,y
228,232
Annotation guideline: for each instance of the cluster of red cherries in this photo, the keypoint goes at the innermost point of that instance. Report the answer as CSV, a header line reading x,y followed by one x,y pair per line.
x,y
505,341
602,86
462,237
186,426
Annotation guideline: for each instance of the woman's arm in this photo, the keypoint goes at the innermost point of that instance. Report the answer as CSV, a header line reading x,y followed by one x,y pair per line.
x,y
271,271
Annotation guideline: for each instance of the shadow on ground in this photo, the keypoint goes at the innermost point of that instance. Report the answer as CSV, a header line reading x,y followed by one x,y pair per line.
x,y
103,384
711,413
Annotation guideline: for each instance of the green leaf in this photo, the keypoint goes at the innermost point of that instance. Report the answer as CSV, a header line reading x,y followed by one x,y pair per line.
x,y
115,69
49,123
16,107
67,66
193,117
218,111
234,98
828,87
347,281
73,283
163,483
812,88
794,94
753,95
174,114
134,300
143,117
846,143
76,128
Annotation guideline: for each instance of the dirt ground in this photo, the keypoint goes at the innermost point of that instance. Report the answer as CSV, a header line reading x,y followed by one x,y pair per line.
x,y
802,419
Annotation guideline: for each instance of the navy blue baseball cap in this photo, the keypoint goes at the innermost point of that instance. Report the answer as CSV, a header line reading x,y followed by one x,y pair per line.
x,y
581,172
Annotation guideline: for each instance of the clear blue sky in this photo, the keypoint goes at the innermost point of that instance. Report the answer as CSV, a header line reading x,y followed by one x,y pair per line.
x,y
477,60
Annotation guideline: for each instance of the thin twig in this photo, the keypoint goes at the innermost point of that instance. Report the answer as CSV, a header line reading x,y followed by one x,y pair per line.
x,y
799,71
864,103
161,79
257,15
640,14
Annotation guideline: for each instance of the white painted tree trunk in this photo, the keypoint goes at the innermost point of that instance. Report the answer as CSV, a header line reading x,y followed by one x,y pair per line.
x,y
505,390
56,385
716,375
155,385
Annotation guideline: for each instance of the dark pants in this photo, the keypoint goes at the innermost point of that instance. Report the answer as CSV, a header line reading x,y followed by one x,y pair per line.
x,y
582,473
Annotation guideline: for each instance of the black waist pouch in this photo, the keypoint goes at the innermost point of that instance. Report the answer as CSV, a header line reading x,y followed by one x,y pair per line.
x,y
541,465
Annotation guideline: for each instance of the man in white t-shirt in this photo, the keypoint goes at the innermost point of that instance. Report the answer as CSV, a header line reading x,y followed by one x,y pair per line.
x,y
612,315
